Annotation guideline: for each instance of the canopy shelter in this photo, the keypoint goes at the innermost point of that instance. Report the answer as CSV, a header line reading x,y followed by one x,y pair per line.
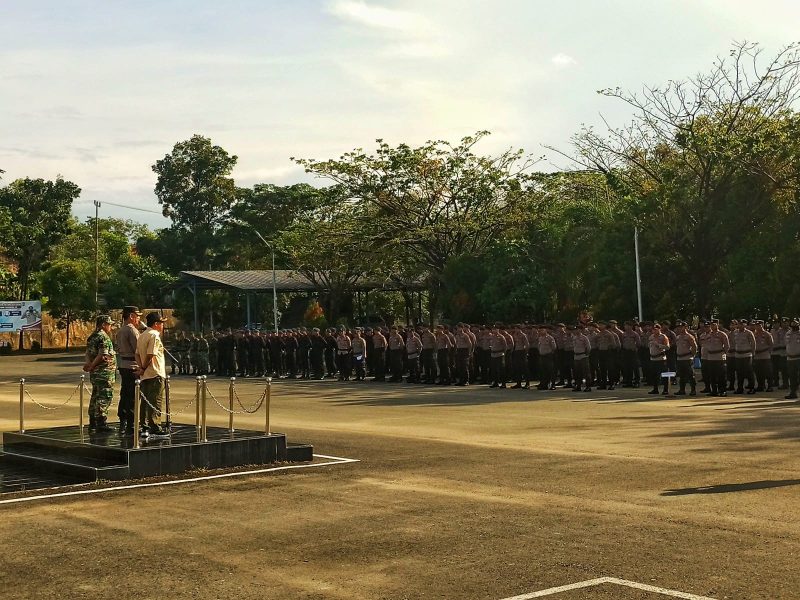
x,y
279,280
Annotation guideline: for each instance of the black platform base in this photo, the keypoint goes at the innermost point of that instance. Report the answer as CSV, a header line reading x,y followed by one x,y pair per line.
x,y
66,455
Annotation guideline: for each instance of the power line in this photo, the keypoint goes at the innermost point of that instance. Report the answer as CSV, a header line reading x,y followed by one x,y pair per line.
x,y
147,210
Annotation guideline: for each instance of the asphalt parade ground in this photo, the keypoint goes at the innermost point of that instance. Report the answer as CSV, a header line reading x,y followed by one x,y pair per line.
x,y
458,493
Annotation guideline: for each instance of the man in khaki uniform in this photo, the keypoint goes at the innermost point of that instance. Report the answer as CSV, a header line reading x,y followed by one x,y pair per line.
x,y
744,344
762,362
685,351
630,356
429,355
413,352
379,355
581,349
152,373
793,358
547,347
658,344
717,346
778,353
519,358
464,347
443,355
126,339
497,352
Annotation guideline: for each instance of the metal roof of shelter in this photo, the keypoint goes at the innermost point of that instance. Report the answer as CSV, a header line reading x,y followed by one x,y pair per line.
x,y
261,281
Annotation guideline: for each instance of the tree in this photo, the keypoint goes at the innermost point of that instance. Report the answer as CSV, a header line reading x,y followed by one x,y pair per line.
x,y
39,217
196,191
69,288
438,202
705,162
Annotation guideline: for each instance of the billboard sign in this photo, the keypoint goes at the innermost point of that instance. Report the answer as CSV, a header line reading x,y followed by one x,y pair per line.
x,y
20,316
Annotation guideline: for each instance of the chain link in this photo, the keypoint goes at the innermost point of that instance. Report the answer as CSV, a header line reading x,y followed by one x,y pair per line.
x,y
238,412
63,404
253,409
164,413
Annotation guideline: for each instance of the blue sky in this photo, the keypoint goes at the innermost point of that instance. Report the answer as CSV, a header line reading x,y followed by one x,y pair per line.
x,y
98,91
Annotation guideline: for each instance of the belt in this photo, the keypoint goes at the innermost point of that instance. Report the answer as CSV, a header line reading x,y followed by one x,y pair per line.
x,y
685,355
662,355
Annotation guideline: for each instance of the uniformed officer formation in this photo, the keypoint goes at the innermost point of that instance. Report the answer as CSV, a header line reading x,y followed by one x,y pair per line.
x,y
746,357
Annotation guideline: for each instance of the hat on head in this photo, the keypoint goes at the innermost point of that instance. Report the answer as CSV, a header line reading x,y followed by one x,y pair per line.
x,y
153,318
103,319
130,310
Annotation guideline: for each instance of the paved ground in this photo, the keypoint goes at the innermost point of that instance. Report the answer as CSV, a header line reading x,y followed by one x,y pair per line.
x,y
460,493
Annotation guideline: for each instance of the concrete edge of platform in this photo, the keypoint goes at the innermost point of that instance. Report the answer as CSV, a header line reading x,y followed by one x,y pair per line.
x,y
329,461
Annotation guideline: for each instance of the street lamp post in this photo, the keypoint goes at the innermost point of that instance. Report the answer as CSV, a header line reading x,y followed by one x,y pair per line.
x,y
638,272
96,254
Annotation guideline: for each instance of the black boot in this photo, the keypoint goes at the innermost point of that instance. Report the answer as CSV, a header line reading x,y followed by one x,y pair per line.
x,y
102,425
92,423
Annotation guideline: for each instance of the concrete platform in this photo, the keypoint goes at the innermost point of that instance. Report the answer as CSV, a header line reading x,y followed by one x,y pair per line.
x,y
63,453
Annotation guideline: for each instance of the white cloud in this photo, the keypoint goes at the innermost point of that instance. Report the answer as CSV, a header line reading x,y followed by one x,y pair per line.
x,y
563,60
379,17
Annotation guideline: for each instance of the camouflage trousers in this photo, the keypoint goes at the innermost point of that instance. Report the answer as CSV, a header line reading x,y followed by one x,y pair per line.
x,y
202,365
185,362
102,393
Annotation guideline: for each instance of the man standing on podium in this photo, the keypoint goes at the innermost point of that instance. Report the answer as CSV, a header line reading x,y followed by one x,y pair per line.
x,y
152,374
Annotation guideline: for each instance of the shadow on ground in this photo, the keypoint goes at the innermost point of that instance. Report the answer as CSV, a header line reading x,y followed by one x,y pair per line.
x,y
727,488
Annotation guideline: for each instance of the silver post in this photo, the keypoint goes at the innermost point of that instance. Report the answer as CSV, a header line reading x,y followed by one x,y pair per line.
x,y
80,412
199,381
638,272
266,405
22,406
137,407
231,392
204,429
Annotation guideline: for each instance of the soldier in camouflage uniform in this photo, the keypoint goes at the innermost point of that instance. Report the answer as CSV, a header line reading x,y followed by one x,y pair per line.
x,y
101,364
202,367
213,339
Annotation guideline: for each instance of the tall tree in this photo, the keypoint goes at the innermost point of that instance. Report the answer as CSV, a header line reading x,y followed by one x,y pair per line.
x,y
196,191
39,217
438,201
68,286
705,162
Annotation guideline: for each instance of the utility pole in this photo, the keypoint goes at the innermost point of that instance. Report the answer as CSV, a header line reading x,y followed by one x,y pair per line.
x,y
638,272
96,255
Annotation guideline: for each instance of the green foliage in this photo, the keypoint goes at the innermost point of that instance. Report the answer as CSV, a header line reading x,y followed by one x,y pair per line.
x,y
68,286
38,216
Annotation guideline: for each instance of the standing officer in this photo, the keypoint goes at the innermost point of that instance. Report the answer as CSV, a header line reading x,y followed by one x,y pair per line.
x,y
762,364
344,348
547,367
413,350
359,348
744,343
126,346
290,346
520,358
607,347
793,358
379,355
717,346
396,346
101,364
581,350
428,355
150,362
658,345
443,355
497,353
778,354
685,351
464,347
317,353
630,356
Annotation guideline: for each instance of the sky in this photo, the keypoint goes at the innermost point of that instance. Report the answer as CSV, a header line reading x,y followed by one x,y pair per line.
x,y
98,91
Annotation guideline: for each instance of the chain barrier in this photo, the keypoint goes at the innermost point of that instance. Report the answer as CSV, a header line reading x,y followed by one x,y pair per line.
x,y
164,413
58,406
253,409
245,411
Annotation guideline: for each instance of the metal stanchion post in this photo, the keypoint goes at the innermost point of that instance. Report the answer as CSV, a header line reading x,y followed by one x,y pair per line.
x,y
137,406
22,406
199,381
80,412
268,392
204,429
166,404
231,392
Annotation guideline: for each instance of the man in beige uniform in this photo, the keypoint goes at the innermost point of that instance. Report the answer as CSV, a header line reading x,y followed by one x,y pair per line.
x,y
497,353
152,373
658,344
717,346
744,344
685,351
762,362
581,349
793,358
547,348
464,347
126,339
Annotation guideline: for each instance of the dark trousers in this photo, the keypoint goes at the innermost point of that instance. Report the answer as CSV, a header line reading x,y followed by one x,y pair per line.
x,y
630,367
379,363
686,374
778,368
546,371
657,367
744,370
520,358
127,393
359,366
443,360
429,365
498,365
317,367
345,364
413,369
291,363
330,361
603,361
583,370
644,362
717,371
762,368
793,374
594,365
396,364
462,365
565,360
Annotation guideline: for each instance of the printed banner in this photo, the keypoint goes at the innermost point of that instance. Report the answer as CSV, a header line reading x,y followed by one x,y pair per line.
x,y
16,316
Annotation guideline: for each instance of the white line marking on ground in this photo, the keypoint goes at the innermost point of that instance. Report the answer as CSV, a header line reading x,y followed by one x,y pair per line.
x,y
613,580
333,460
